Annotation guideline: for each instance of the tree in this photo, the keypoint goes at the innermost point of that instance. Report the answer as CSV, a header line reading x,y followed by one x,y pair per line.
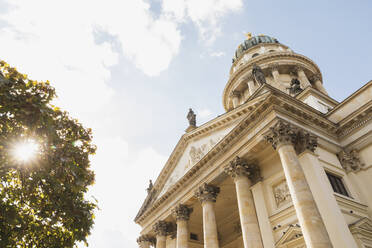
x,y
42,200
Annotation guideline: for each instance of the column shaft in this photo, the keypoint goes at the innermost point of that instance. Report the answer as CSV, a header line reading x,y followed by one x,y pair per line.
x,y
262,216
209,225
323,195
314,231
247,212
161,241
182,234
319,86
252,87
303,79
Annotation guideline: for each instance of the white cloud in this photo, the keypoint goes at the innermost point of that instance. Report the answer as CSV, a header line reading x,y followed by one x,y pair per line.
x,y
204,114
55,40
217,54
205,14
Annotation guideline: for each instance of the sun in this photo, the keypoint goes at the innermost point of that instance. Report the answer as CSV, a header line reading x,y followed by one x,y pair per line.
x,y
25,150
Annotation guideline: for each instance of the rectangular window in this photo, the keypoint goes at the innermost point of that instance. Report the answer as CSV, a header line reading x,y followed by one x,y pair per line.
x,y
337,184
193,236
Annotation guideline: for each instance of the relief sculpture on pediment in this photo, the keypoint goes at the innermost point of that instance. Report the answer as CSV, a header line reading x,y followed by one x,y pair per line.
x,y
197,153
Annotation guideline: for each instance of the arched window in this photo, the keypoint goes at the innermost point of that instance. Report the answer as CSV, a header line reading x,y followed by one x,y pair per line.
x,y
271,51
255,55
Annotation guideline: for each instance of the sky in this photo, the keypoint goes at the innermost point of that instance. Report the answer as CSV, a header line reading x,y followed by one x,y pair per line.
x,y
131,69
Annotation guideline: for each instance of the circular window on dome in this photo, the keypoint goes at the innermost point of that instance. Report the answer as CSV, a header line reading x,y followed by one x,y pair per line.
x,y
255,55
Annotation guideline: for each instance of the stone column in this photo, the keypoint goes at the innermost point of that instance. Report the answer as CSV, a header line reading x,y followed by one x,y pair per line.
x,y
182,215
318,84
145,241
263,216
161,230
302,77
243,174
235,98
275,72
207,195
334,220
288,140
251,84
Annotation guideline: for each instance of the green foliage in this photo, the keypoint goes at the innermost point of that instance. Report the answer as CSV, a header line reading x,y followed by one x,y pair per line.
x,y
42,201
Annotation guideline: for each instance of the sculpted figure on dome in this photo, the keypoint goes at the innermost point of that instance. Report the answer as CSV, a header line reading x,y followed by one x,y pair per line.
x,y
191,117
295,86
258,75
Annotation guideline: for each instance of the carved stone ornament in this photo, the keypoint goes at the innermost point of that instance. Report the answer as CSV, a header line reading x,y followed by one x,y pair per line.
x,y
235,93
207,192
284,133
145,238
150,187
258,75
161,228
315,77
239,167
350,161
182,212
191,117
281,193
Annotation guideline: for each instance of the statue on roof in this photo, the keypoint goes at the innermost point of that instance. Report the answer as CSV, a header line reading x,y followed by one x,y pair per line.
x,y
258,75
295,86
191,116
150,187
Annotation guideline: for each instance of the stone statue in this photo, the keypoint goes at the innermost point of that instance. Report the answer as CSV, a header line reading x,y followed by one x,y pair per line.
x,y
150,187
191,116
295,86
258,75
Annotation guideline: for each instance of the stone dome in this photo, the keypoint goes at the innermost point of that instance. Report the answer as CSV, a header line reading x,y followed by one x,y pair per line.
x,y
251,42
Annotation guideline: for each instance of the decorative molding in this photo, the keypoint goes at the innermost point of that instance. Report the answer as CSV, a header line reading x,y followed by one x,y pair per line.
x,y
182,212
283,133
350,161
207,192
145,238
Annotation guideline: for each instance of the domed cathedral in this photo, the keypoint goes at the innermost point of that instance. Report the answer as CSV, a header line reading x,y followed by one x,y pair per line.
x,y
286,166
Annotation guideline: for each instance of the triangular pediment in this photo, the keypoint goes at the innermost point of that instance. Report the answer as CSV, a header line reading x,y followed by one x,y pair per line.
x,y
362,226
193,152
292,237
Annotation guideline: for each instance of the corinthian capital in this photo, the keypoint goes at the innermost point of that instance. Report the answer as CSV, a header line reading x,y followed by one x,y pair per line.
x,y
283,133
315,77
350,161
239,167
182,212
161,228
207,192
145,238
274,67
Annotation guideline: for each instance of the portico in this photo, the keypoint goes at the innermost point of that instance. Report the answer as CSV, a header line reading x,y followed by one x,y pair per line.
x,y
258,175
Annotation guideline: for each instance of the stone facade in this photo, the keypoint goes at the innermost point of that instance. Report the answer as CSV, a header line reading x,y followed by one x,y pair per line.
x,y
286,166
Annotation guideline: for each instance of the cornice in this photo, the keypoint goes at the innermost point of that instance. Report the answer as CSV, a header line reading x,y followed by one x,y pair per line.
x,y
277,101
273,57
311,90
213,125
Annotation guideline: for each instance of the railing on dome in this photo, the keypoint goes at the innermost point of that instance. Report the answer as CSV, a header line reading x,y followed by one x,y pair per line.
x,y
251,43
